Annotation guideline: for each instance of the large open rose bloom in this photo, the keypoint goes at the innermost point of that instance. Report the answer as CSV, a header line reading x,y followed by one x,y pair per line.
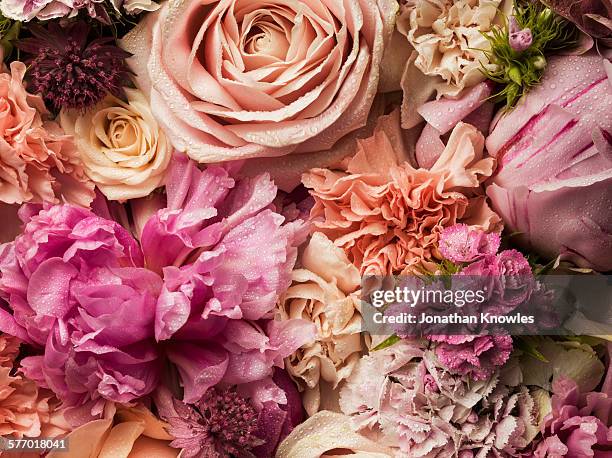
x,y
554,180
387,215
235,78
81,288
38,162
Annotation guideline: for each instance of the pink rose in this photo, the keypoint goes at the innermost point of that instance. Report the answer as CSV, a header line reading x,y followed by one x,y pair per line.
x,y
237,79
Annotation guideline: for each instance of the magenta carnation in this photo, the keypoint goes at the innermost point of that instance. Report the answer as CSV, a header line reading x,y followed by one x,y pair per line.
x,y
476,356
462,243
79,287
580,425
506,276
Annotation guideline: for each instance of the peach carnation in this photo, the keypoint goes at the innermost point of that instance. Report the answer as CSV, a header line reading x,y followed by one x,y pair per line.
x,y
23,409
324,291
38,162
387,215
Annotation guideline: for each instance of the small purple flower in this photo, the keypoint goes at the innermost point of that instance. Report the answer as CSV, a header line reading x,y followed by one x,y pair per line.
x,y
519,39
462,243
69,70
222,423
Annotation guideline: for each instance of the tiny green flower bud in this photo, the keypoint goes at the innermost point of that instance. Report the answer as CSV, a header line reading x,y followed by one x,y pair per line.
x,y
512,94
539,62
515,75
544,15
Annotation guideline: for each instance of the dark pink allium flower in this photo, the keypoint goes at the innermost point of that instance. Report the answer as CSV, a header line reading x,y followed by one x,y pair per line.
x,y
68,70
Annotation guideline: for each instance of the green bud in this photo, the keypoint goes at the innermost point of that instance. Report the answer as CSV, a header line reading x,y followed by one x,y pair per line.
x,y
539,62
512,94
545,15
515,75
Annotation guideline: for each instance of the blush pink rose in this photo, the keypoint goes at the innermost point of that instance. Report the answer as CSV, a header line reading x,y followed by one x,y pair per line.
x,y
231,79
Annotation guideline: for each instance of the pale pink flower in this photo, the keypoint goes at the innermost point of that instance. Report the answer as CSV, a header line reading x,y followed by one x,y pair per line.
x,y
237,79
554,180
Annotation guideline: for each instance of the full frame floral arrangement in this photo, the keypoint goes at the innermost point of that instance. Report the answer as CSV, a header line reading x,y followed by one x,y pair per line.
x,y
195,196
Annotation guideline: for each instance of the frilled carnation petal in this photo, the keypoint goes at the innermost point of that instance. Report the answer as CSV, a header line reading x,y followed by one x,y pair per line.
x,y
387,216
38,161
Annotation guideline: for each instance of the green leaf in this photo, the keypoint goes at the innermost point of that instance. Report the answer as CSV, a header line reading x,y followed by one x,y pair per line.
x,y
391,340
529,347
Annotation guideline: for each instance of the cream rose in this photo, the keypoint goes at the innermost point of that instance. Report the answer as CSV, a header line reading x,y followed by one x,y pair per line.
x,y
124,151
324,291
232,79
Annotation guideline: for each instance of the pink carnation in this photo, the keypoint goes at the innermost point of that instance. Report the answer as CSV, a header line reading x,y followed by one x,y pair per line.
x,y
462,243
476,356
507,277
580,425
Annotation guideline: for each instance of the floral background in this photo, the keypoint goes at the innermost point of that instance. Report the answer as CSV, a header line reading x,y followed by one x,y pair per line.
x,y
192,191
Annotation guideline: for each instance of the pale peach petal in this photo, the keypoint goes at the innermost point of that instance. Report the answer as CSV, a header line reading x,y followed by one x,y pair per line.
x,y
327,432
324,291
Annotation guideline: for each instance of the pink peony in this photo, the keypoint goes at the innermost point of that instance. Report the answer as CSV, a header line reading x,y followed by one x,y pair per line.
x,y
385,214
461,243
476,356
38,162
553,183
237,79
225,255
77,289
80,289
580,424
